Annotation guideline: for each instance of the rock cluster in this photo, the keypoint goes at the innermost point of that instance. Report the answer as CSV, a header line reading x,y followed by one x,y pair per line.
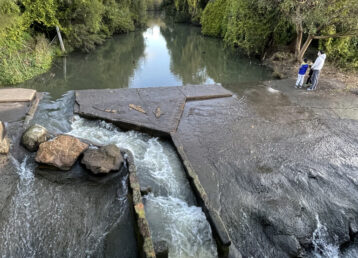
x,y
63,151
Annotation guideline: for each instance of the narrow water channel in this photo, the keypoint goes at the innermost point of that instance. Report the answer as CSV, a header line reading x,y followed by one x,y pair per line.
x,y
171,211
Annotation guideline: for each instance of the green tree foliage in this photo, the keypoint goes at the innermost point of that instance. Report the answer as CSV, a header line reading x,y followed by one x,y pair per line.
x,y
342,51
154,5
21,55
250,25
213,18
322,19
83,23
256,26
187,10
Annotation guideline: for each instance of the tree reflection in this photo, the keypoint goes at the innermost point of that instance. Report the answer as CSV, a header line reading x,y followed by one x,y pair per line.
x,y
196,58
109,66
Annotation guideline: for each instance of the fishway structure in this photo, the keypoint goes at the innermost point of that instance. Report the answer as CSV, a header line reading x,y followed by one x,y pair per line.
x,y
181,114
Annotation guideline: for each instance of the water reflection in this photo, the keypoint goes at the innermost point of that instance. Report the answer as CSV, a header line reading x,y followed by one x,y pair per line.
x,y
165,54
197,59
109,66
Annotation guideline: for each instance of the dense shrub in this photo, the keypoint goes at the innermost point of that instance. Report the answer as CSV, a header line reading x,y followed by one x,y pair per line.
x,y
213,19
19,64
252,26
260,26
187,10
342,51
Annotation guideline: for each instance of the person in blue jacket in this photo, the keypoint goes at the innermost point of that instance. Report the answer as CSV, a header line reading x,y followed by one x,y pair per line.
x,y
301,74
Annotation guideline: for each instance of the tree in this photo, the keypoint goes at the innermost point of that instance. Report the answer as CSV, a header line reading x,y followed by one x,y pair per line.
x,y
320,19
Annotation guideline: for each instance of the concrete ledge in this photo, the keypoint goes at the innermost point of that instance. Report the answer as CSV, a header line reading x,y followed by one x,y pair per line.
x,y
35,103
124,125
17,104
156,111
146,247
203,92
219,231
16,95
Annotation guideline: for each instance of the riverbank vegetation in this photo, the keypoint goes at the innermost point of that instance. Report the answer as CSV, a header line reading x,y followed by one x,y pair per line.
x,y
28,30
262,27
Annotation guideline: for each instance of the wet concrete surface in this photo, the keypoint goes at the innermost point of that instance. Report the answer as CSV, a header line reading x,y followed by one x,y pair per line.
x,y
272,160
156,109
280,158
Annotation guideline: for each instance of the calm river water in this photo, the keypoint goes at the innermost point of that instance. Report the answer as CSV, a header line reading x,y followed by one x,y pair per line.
x,y
165,54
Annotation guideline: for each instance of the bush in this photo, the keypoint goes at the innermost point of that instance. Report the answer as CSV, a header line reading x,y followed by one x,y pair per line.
x,y
212,20
24,50
342,51
19,64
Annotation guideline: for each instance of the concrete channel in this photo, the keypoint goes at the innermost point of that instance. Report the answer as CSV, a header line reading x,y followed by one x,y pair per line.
x,y
159,112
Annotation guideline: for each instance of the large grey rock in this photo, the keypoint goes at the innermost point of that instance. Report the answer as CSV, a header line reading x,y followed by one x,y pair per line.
x,y
103,160
34,136
62,152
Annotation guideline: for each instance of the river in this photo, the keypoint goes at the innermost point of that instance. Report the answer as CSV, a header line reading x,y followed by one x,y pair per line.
x,y
48,213
45,214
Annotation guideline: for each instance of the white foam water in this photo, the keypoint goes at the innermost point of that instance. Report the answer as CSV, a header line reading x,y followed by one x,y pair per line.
x,y
171,213
321,243
184,227
325,248
50,220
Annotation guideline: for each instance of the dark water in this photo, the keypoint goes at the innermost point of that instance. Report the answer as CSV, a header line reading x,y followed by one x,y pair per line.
x,y
165,54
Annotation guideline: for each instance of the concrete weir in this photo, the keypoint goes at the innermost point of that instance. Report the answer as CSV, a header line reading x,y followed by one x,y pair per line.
x,y
17,107
17,104
173,112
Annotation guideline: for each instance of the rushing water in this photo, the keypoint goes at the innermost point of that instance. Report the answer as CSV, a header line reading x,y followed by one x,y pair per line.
x,y
324,246
170,211
69,219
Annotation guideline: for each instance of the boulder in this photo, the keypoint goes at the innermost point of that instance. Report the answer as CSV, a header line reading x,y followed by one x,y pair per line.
x,y
34,136
161,249
61,152
103,160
